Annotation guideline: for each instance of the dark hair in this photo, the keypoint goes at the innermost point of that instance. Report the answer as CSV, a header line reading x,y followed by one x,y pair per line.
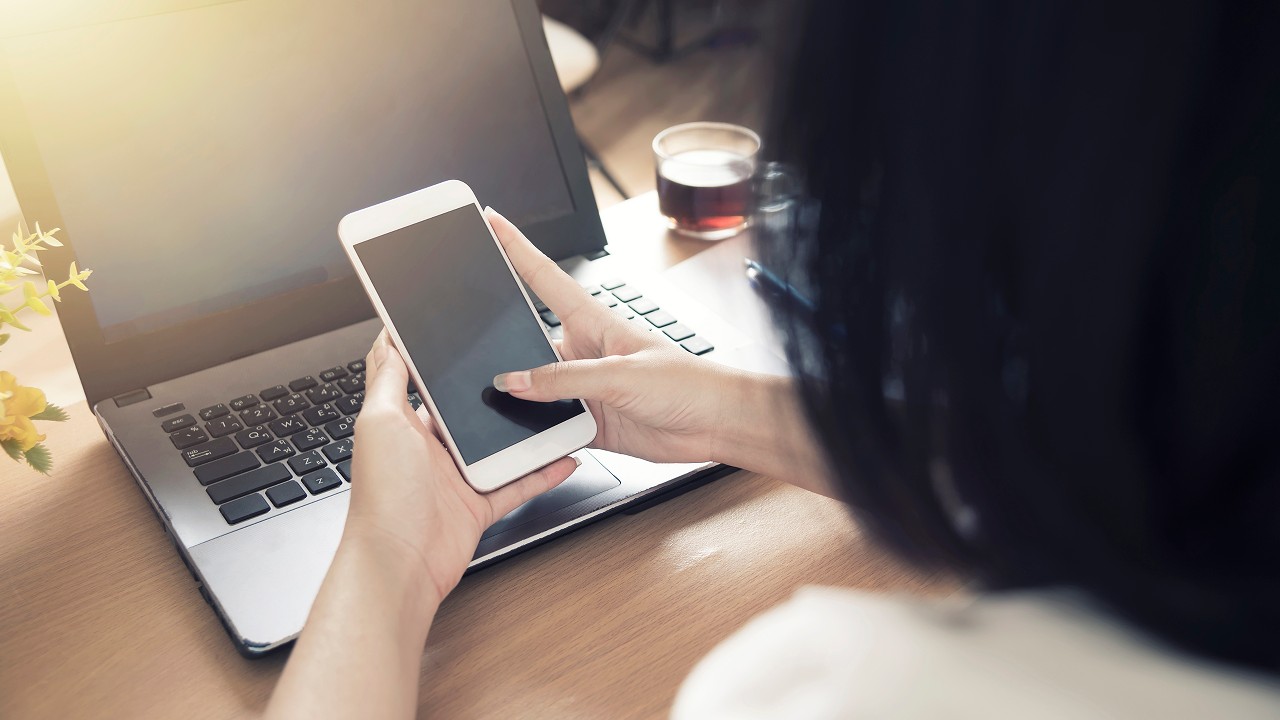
x,y
1043,243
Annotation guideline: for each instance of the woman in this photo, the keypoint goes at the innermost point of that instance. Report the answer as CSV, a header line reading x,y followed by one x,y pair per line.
x,y
1049,233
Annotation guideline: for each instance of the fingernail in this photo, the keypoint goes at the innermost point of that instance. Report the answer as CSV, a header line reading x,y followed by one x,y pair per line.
x,y
577,462
513,382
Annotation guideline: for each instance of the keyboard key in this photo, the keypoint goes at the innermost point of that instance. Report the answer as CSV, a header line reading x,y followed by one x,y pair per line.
x,y
352,384
320,414
660,318
287,426
277,450
210,451
223,426
226,467
612,284
243,402
256,415
697,345
290,404
187,437
323,394
173,424
312,438
356,366
339,451
626,293
678,332
341,428
303,383
214,411
332,374
253,437
244,509
275,392
549,318
415,402
351,404
321,481
643,306
169,409
344,467
286,494
250,482
594,289
608,300
540,306
624,311
306,462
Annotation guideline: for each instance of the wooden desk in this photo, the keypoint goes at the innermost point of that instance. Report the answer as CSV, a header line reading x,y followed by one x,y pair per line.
x,y
99,617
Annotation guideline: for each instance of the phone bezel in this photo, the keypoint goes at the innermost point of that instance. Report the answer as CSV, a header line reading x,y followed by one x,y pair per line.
x,y
526,456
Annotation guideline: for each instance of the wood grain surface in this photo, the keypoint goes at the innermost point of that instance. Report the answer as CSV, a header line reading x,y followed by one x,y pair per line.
x,y
100,618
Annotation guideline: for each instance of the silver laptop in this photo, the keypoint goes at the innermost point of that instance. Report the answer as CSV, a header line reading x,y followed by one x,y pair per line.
x,y
198,156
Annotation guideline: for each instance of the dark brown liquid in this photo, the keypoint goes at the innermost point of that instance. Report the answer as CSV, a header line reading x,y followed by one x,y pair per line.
x,y
705,197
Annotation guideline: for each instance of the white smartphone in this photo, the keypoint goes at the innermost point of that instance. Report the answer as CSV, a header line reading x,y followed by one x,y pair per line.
x,y
443,286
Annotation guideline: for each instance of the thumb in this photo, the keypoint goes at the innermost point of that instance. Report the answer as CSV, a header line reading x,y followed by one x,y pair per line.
x,y
385,376
565,380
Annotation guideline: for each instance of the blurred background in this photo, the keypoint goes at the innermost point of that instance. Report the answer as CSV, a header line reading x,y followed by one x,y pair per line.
x,y
634,67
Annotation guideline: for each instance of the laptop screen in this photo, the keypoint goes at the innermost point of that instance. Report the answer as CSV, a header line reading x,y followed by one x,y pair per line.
x,y
203,156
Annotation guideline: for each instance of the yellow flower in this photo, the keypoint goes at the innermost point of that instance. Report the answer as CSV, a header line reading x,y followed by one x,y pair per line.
x,y
17,405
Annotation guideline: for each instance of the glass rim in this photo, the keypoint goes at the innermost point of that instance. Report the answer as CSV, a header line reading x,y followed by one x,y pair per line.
x,y
705,125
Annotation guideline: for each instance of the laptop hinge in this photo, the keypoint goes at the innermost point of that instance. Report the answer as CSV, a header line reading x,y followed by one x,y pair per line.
x,y
131,397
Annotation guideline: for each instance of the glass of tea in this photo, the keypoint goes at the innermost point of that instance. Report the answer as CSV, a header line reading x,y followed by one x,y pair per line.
x,y
705,172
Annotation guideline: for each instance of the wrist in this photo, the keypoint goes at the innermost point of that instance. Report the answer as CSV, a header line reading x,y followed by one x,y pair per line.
x,y
764,429
398,569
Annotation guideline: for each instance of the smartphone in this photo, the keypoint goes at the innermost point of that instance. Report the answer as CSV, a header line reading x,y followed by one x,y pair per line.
x,y
444,288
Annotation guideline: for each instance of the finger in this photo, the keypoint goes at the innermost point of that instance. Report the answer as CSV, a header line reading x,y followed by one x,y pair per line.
x,y
509,497
385,376
565,380
429,427
560,292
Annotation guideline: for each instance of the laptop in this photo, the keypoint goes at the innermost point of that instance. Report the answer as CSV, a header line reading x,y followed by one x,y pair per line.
x,y
198,155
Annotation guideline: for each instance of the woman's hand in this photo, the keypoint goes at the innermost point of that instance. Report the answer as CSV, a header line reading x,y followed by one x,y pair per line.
x,y
412,527
650,398
407,495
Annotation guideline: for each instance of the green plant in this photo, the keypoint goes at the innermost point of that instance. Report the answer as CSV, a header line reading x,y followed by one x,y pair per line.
x,y
20,406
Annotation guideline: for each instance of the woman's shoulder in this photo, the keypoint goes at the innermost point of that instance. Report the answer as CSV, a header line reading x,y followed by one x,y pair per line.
x,y
831,652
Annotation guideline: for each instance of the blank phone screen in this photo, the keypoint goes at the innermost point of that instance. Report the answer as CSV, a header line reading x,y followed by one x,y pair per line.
x,y
462,320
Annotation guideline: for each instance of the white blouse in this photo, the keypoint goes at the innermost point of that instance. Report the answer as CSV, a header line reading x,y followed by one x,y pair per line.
x,y
835,653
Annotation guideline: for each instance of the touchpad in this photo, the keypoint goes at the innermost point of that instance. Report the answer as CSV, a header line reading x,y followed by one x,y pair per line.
x,y
589,480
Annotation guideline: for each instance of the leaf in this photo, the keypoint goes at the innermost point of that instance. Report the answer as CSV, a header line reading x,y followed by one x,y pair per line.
x,y
12,447
4,338
52,413
53,291
39,458
7,317
76,277
38,305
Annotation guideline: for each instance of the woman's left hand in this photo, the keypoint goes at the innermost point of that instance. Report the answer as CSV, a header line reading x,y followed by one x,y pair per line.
x,y
407,495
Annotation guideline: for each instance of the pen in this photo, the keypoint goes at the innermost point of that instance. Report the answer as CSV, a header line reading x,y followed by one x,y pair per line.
x,y
775,288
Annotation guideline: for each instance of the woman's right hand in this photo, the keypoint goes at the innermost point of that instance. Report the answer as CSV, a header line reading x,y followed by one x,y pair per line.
x,y
650,398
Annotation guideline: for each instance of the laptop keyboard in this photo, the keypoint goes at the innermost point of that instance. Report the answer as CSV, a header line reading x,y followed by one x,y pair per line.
x,y
272,449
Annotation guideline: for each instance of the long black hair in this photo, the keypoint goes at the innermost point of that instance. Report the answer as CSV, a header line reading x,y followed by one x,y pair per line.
x,y
1043,242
